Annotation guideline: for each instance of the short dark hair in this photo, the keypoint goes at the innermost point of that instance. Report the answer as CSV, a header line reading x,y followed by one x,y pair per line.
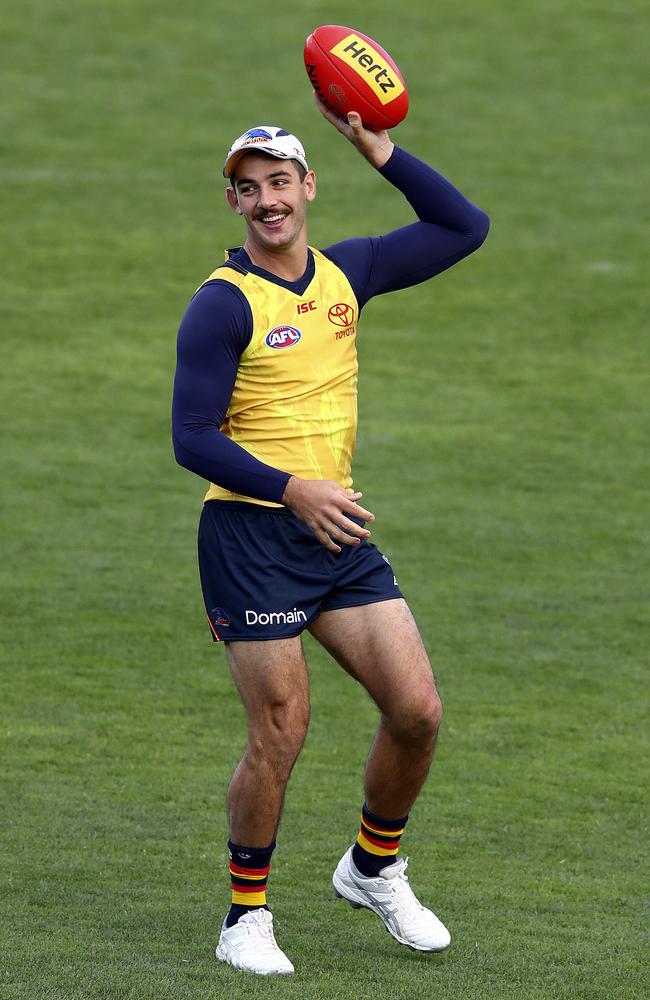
x,y
302,173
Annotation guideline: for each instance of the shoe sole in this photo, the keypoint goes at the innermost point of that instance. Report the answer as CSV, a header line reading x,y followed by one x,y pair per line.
x,y
356,905
256,972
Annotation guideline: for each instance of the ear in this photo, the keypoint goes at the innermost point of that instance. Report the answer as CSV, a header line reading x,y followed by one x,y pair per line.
x,y
310,185
232,199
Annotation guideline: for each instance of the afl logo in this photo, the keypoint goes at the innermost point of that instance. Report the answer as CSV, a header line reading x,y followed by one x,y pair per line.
x,y
283,336
341,314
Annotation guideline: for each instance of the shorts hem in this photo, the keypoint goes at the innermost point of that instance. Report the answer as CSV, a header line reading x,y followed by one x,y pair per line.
x,y
259,638
362,604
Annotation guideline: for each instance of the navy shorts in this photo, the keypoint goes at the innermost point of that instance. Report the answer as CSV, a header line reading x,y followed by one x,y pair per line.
x,y
265,575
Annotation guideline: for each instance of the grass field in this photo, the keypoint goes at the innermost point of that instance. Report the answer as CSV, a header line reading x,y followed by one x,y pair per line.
x,y
502,445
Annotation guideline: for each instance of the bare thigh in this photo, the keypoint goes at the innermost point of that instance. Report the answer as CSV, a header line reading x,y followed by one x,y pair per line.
x,y
380,646
269,676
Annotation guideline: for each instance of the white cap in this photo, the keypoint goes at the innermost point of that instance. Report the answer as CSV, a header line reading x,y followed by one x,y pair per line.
x,y
265,139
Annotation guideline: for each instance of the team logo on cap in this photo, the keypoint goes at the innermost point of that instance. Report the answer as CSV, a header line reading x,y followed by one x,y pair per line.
x,y
257,133
283,336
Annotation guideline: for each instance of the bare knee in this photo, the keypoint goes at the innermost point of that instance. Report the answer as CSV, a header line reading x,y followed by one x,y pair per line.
x,y
279,733
418,720
287,723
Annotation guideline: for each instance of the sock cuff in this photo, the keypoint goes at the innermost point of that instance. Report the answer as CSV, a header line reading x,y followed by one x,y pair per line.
x,y
381,824
250,857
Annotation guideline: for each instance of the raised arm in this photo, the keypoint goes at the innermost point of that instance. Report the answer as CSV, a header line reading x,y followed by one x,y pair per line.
x,y
450,226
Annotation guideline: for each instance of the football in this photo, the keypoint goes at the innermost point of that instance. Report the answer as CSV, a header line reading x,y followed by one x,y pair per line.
x,y
351,72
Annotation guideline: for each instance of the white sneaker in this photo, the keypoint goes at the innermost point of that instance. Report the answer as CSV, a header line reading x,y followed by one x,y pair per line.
x,y
390,896
250,945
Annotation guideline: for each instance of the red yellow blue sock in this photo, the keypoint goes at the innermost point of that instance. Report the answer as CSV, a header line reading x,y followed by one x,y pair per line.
x,y
249,872
378,842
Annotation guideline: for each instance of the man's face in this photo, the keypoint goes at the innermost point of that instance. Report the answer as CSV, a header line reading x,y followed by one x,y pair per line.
x,y
271,197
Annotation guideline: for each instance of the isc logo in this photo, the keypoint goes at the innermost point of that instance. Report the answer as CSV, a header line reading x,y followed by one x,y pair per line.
x,y
283,336
305,307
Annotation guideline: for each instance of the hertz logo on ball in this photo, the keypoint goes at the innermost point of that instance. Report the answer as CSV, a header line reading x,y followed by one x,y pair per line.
x,y
370,66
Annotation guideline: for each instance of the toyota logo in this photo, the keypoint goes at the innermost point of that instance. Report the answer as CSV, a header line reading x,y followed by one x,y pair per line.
x,y
341,314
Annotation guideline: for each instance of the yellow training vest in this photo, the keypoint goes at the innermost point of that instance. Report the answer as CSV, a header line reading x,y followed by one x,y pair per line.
x,y
294,403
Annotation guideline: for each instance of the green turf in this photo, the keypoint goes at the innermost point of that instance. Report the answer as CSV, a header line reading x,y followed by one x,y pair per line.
x,y
502,446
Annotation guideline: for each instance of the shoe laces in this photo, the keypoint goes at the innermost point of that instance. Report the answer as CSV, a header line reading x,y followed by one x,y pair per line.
x,y
401,888
261,926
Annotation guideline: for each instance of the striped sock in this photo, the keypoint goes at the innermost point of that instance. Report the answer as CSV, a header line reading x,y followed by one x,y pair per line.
x,y
378,842
249,871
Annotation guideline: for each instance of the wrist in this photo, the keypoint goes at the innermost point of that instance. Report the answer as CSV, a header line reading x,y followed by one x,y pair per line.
x,y
380,156
291,491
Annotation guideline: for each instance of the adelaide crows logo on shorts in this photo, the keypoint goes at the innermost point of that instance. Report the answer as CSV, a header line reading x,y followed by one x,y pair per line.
x,y
219,617
283,336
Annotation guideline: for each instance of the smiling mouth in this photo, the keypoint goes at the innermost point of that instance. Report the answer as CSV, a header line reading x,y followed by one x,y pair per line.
x,y
273,221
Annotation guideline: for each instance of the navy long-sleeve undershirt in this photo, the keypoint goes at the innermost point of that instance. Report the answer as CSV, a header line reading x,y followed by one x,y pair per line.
x,y
218,323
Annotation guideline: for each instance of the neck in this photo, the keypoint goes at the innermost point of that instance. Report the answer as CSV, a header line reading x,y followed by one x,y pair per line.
x,y
289,264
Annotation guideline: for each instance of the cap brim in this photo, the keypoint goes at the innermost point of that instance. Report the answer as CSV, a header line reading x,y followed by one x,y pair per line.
x,y
235,157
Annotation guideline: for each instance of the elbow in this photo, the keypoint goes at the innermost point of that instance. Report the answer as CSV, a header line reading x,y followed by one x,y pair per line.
x,y
180,454
479,231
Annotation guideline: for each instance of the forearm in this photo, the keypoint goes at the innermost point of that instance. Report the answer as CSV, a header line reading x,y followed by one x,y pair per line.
x,y
208,453
433,198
